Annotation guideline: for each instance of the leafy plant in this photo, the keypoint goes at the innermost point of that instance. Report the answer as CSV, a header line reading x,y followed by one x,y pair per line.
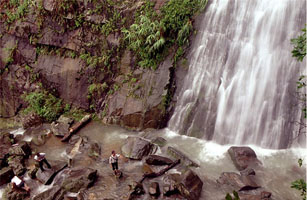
x,y
300,184
152,34
299,49
44,104
146,38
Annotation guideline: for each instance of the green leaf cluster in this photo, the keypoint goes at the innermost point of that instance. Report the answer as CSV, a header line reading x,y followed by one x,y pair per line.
x,y
44,104
146,39
300,185
299,49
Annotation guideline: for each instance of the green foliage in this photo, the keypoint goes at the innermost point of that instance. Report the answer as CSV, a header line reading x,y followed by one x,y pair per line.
x,y
300,184
152,34
44,104
146,38
97,87
299,49
299,52
235,194
19,12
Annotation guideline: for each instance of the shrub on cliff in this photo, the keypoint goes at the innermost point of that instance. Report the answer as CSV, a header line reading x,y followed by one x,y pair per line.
x,y
44,104
153,33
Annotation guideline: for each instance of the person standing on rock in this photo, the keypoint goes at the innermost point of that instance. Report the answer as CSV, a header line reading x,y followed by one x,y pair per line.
x,y
40,158
113,160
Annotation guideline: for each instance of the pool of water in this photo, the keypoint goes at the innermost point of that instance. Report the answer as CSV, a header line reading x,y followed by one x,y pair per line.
x,y
279,167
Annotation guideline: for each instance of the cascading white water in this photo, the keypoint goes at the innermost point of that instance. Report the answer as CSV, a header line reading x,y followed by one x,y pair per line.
x,y
241,83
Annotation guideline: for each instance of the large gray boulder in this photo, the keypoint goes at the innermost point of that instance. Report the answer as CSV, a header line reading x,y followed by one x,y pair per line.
x,y
190,186
243,157
137,147
61,126
48,175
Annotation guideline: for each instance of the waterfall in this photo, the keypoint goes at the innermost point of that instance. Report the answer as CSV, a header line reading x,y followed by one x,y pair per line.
x,y
241,84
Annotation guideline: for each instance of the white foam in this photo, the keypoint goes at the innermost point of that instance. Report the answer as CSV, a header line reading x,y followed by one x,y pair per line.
x,y
19,131
210,151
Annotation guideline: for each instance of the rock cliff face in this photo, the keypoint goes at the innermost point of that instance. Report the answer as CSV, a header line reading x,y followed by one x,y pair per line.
x,y
76,51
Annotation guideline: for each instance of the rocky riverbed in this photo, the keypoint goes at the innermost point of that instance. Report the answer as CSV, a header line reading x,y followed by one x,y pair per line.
x,y
80,168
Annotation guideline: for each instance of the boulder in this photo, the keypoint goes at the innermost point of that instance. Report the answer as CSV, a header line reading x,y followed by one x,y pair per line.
x,y
238,182
16,194
31,120
160,141
61,126
243,157
94,150
154,189
78,179
52,193
190,186
48,175
158,160
6,140
16,163
6,174
137,147
264,195
179,155
59,129
17,154
170,184
136,190
71,181
65,120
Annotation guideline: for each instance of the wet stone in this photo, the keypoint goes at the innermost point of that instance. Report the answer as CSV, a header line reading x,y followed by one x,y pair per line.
x,y
158,160
154,189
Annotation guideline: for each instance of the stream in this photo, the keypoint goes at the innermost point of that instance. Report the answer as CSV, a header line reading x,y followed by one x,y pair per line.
x,y
279,167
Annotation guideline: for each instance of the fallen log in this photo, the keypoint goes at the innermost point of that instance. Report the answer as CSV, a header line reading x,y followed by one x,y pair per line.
x,y
161,172
76,127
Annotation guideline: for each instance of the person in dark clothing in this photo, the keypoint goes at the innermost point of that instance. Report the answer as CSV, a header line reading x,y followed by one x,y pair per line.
x,y
113,160
41,159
